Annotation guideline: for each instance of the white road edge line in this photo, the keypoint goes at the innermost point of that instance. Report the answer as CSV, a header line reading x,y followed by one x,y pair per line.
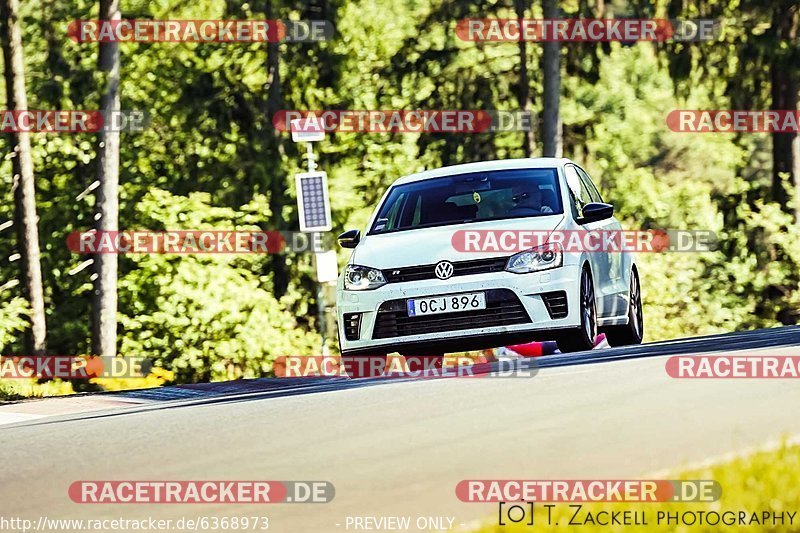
x,y
13,418
553,374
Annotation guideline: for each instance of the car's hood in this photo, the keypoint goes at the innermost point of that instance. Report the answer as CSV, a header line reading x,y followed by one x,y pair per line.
x,y
429,245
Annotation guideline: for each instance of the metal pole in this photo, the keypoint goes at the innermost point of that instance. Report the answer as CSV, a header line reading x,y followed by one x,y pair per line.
x,y
321,318
312,165
323,322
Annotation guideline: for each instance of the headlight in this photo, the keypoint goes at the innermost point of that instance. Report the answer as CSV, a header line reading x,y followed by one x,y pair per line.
x,y
542,257
361,278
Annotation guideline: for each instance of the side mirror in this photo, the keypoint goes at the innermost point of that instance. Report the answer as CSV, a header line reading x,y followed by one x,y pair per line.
x,y
594,211
349,239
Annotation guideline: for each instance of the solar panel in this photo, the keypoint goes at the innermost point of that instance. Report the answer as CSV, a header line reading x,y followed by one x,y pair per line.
x,y
312,201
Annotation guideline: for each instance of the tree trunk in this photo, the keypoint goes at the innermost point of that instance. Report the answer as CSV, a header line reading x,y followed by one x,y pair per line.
x,y
277,197
524,89
785,146
25,218
104,308
551,66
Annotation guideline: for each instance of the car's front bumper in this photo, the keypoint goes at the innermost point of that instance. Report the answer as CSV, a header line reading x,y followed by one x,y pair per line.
x,y
529,319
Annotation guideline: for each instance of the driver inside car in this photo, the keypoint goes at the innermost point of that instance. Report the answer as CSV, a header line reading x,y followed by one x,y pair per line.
x,y
528,201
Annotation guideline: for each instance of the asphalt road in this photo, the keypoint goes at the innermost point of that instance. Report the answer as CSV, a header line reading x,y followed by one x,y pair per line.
x,y
399,447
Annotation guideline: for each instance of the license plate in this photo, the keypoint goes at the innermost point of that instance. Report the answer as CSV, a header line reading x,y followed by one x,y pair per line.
x,y
448,303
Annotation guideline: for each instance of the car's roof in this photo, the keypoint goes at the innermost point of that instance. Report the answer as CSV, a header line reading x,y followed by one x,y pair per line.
x,y
483,166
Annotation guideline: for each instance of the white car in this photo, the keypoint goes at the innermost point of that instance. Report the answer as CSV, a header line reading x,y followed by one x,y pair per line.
x,y
408,289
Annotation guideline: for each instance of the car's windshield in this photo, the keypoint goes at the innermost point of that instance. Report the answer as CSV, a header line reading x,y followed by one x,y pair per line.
x,y
474,197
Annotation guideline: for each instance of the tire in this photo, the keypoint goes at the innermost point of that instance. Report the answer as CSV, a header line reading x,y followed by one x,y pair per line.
x,y
633,331
582,338
364,366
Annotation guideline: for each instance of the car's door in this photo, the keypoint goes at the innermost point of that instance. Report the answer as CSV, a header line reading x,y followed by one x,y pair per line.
x,y
614,263
600,261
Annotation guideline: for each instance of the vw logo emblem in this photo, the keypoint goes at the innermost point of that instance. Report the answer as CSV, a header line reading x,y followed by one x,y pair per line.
x,y
444,269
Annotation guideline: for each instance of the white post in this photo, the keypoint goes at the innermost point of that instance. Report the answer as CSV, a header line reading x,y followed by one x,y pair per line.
x,y
323,326
308,131
312,164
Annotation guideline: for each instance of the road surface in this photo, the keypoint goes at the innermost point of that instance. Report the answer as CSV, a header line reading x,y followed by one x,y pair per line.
x,y
398,448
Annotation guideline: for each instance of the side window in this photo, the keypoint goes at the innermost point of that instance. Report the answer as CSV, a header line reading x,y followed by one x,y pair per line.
x,y
589,185
577,191
392,217
417,211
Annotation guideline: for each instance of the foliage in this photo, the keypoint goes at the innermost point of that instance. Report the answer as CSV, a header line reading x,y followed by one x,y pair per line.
x,y
18,389
206,317
212,159
13,312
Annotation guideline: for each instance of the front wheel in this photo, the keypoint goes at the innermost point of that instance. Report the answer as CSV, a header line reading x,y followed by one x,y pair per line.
x,y
583,338
633,331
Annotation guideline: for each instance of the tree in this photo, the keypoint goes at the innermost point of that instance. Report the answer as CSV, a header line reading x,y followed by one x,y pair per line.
x,y
278,197
551,67
524,89
785,29
26,219
765,46
104,305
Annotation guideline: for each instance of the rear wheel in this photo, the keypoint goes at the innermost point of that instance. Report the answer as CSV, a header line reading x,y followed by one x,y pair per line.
x,y
633,331
582,338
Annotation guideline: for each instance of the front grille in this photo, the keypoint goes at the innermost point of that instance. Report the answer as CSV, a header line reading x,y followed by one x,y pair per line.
x,y
352,326
556,303
460,268
503,308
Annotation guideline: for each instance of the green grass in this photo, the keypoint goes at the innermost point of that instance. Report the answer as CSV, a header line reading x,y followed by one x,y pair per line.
x,y
763,481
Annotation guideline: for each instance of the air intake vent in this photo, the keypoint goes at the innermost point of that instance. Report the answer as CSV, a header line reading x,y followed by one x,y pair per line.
x,y
503,308
352,326
556,303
